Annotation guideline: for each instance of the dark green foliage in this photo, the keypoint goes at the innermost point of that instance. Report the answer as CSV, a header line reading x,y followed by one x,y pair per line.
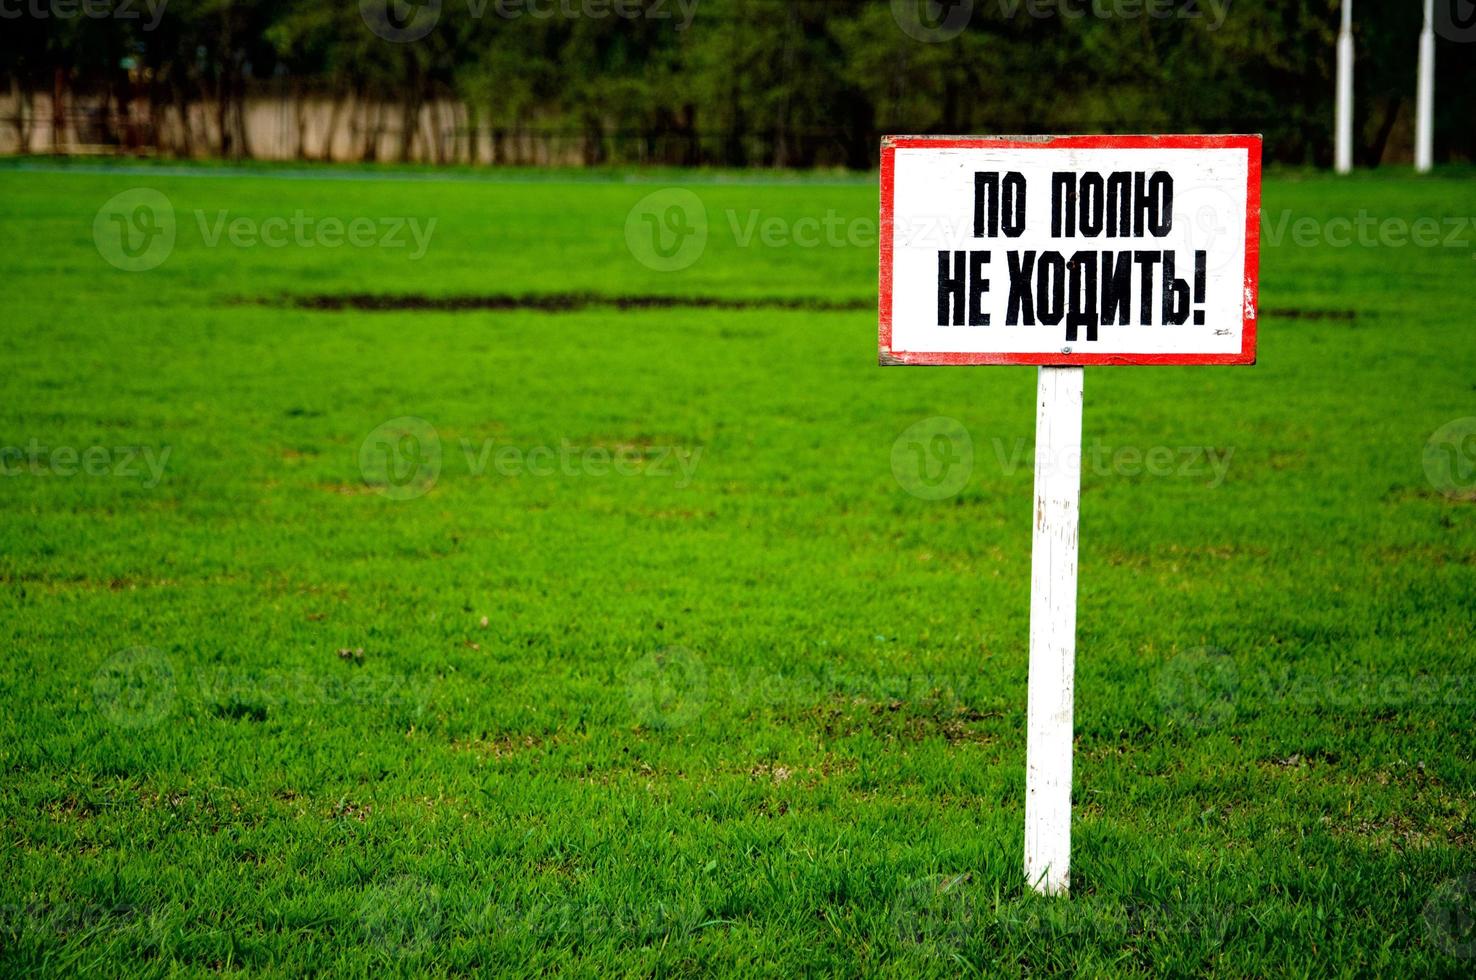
x,y
786,83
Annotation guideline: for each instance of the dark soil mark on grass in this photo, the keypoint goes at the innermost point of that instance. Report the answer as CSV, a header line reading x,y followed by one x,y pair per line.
x,y
236,710
562,302
574,302
896,720
1295,313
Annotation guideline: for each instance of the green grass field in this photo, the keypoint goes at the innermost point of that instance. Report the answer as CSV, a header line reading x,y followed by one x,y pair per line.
x,y
608,639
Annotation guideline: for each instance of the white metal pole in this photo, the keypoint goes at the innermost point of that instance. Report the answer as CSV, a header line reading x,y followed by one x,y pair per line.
x,y
1052,630
1425,96
1343,152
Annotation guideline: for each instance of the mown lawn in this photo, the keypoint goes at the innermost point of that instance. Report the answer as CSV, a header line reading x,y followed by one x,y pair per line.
x,y
609,639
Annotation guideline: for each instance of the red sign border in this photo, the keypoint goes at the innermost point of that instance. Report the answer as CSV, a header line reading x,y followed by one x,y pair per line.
x,y
1250,143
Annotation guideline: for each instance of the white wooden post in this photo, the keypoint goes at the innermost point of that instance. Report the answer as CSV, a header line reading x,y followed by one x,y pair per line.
x,y
1425,96
1052,630
1343,151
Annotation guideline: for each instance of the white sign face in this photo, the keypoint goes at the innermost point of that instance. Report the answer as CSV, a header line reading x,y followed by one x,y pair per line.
x,y
1069,249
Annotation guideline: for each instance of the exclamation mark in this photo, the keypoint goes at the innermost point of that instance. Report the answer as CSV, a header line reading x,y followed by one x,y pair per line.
x,y
1199,286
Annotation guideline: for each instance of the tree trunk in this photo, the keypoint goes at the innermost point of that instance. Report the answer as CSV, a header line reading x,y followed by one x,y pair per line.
x,y
410,107
437,122
374,125
182,106
334,114
409,123
594,140
238,114
1386,126
156,112
22,102
473,135
299,119
222,114
736,151
58,112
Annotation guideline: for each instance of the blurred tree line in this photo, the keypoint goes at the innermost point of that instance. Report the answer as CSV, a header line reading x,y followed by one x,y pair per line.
x,y
781,83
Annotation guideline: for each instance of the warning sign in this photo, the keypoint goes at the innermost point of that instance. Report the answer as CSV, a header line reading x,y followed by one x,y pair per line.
x,y
1069,249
